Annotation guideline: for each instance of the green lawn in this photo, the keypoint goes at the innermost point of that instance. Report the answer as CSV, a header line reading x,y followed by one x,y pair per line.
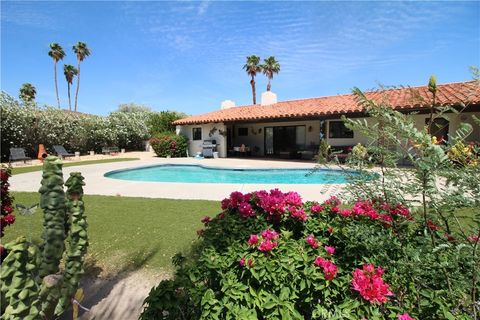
x,y
18,170
128,232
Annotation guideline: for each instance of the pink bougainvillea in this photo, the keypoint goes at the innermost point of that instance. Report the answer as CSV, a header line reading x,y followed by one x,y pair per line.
x,y
253,240
246,210
267,245
368,282
312,242
269,234
330,250
298,214
316,208
6,216
242,262
405,316
329,268
206,220
473,238
267,240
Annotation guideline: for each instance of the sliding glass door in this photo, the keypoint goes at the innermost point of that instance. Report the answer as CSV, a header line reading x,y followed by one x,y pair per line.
x,y
283,139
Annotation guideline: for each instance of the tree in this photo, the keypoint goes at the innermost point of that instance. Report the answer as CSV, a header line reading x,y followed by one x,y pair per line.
x,y
27,93
270,67
82,51
56,53
252,67
70,72
133,107
161,122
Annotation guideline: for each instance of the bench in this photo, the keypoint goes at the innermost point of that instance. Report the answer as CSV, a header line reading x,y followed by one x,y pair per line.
x,y
110,150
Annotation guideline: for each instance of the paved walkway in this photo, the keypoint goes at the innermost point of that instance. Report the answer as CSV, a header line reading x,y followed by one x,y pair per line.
x,y
96,183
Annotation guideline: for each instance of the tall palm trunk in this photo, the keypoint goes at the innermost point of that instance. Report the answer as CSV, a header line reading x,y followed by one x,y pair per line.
x,y
78,85
254,94
268,85
55,77
69,100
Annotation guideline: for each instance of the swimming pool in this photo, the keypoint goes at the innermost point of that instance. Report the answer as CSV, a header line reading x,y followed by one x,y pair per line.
x,y
202,174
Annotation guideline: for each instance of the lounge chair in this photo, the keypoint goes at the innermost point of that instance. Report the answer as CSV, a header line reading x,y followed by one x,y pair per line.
x,y
61,152
110,150
18,154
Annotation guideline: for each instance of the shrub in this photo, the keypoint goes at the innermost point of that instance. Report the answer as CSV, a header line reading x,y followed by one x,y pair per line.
x,y
6,211
169,144
268,255
28,126
161,122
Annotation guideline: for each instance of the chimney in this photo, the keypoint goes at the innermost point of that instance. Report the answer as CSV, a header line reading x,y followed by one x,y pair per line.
x,y
227,104
268,98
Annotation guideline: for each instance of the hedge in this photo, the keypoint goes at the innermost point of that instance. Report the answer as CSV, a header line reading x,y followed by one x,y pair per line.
x,y
29,126
169,144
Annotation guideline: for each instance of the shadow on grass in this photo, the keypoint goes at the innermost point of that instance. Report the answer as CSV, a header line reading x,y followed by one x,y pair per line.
x,y
114,296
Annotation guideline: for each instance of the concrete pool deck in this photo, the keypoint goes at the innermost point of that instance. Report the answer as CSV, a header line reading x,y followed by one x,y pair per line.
x,y
97,184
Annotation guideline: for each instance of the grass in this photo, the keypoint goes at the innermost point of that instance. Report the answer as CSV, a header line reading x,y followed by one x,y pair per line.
x,y
127,232
19,170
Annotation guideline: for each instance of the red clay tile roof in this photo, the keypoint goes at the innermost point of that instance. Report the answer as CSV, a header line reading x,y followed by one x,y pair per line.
x,y
402,99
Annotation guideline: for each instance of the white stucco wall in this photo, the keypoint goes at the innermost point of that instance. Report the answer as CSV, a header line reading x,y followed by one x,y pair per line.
x,y
195,146
419,119
255,137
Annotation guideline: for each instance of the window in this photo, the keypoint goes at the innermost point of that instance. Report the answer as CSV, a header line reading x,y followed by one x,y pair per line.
x,y
242,132
337,129
197,133
439,129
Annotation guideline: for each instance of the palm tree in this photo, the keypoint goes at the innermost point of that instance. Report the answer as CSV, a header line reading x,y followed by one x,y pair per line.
x,y
269,67
70,72
252,67
56,53
82,51
27,93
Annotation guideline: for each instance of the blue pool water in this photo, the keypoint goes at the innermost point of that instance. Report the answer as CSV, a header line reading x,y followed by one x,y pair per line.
x,y
200,174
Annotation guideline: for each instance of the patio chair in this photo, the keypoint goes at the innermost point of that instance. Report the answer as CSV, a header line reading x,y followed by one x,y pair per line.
x,y
18,154
61,152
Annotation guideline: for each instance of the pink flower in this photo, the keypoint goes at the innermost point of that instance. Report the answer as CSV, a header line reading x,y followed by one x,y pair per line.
x,y
329,268
312,241
330,250
298,214
346,213
432,226
250,262
225,203
473,238
405,316
206,220
293,198
333,201
242,262
269,234
365,208
253,240
316,208
267,245
369,283
335,210
245,210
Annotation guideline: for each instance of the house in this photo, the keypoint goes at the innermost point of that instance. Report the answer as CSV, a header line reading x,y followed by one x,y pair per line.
x,y
287,128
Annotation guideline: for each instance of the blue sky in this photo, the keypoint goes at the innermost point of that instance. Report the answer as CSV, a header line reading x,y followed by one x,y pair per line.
x,y
188,55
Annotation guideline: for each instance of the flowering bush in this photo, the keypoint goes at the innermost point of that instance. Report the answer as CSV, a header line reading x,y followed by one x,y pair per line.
x,y
6,211
257,260
169,144
28,126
